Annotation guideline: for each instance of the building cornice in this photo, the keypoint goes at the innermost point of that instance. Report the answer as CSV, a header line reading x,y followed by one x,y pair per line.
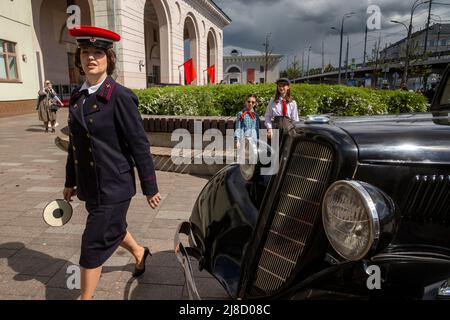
x,y
214,10
220,11
231,59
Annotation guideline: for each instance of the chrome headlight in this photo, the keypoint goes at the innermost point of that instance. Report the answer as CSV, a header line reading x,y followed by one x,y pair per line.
x,y
354,214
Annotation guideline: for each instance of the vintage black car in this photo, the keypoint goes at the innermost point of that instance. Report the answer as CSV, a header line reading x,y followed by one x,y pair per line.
x,y
354,199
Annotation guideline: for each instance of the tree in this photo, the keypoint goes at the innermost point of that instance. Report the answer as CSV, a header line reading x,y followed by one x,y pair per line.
x,y
268,56
294,69
416,56
283,74
376,61
315,71
328,68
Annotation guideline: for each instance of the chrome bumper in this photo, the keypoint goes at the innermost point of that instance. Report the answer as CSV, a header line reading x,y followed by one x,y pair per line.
x,y
183,255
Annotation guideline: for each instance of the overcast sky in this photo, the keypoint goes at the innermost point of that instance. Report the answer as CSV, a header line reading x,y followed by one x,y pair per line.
x,y
295,24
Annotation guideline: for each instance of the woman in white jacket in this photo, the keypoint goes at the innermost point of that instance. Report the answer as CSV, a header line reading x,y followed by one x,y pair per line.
x,y
281,105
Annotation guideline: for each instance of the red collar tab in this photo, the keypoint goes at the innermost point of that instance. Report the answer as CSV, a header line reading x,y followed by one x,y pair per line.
x,y
106,89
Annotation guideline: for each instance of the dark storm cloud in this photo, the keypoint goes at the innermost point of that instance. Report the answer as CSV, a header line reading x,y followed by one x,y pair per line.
x,y
296,24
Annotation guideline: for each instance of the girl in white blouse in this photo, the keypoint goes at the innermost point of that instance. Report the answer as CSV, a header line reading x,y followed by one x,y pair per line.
x,y
281,105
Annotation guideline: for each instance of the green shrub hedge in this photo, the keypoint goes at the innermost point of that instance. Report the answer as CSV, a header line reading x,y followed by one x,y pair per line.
x,y
227,100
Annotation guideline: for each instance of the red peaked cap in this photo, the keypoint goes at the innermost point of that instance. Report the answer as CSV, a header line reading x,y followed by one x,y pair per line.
x,y
94,36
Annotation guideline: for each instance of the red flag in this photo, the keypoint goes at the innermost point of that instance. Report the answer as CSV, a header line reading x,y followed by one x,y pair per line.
x,y
189,71
212,73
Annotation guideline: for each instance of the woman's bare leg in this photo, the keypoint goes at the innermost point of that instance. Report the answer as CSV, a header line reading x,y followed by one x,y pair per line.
x,y
53,125
46,126
136,250
89,281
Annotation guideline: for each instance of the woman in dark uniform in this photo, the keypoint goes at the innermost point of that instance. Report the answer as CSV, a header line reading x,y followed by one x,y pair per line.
x,y
107,140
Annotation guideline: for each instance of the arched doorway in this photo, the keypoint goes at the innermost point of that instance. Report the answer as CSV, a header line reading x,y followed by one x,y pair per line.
x,y
211,48
191,43
156,34
55,48
234,75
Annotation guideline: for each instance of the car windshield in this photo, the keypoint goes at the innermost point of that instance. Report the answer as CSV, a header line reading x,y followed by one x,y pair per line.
x,y
445,99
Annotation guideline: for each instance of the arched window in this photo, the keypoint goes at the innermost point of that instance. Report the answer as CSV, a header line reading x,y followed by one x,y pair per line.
x,y
234,52
234,70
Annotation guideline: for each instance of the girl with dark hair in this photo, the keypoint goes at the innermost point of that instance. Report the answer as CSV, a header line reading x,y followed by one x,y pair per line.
x,y
247,122
247,130
281,105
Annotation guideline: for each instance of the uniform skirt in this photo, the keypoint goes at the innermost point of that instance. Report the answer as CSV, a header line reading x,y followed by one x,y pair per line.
x,y
106,227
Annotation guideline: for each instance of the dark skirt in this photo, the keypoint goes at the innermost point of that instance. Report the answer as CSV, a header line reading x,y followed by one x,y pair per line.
x,y
106,227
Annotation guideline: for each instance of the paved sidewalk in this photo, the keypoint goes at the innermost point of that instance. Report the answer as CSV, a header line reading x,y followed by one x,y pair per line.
x,y
34,257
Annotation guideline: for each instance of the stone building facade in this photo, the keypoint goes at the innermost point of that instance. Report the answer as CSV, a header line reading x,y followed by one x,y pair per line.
x,y
157,37
247,66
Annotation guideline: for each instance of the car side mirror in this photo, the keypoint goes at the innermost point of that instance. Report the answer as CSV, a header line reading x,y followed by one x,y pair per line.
x,y
442,118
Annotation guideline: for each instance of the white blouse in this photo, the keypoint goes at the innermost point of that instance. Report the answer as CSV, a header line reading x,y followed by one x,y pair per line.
x,y
276,110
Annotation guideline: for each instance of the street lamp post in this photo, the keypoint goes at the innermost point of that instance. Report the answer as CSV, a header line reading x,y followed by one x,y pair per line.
x,y
303,62
307,68
347,15
416,4
346,60
438,39
407,40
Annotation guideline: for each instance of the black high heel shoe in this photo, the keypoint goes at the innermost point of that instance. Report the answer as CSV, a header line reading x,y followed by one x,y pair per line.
x,y
137,272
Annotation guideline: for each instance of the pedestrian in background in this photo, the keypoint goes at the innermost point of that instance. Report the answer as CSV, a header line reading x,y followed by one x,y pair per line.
x,y
430,93
48,105
281,105
107,139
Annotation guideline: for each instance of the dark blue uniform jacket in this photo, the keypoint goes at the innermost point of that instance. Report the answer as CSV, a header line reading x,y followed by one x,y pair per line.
x,y
107,139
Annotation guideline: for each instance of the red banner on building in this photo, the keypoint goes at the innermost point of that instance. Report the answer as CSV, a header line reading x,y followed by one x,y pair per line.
x,y
212,73
189,71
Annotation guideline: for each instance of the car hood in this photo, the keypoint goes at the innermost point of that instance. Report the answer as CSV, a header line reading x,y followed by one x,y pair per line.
x,y
415,138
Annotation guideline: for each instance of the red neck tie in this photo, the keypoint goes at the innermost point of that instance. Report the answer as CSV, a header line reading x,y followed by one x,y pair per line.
x,y
285,109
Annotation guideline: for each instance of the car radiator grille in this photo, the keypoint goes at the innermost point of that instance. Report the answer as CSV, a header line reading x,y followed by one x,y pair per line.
x,y
299,207
428,199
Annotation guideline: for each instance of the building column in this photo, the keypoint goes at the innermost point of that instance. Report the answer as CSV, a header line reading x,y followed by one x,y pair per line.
x,y
129,23
219,56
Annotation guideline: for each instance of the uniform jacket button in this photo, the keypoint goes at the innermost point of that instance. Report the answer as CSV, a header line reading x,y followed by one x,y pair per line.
x,y
91,120
76,161
88,135
92,164
90,150
74,149
94,106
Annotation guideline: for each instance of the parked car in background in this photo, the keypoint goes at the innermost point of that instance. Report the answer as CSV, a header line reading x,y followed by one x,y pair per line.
x,y
359,209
